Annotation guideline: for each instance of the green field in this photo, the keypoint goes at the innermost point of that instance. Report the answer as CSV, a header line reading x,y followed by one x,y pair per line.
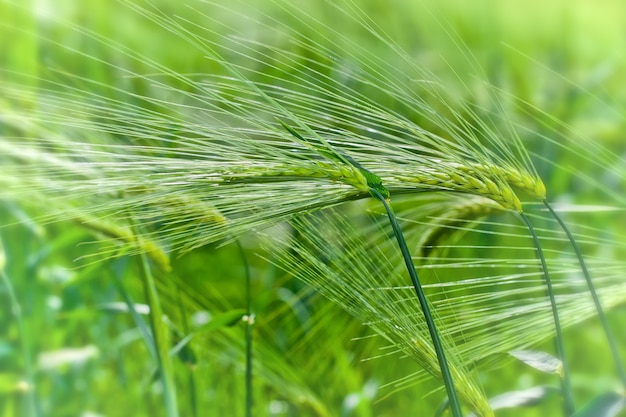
x,y
190,221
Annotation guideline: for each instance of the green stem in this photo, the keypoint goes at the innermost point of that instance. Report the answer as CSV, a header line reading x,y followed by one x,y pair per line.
x,y
566,385
193,400
442,408
583,266
432,328
249,324
141,324
160,338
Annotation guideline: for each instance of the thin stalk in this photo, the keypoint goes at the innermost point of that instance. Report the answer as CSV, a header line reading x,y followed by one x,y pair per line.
x,y
160,337
141,324
566,385
583,266
33,405
455,405
193,400
442,408
249,324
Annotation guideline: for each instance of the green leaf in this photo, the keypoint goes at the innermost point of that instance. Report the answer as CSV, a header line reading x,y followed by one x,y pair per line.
x,y
606,405
140,322
185,353
541,361
228,319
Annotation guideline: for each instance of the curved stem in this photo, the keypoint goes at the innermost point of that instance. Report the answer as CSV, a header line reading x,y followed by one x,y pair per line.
x,y
583,266
432,328
442,408
566,385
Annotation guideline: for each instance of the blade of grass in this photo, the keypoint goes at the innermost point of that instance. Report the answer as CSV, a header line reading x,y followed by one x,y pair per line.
x,y
442,408
607,405
455,405
139,321
592,290
566,385
160,338
193,398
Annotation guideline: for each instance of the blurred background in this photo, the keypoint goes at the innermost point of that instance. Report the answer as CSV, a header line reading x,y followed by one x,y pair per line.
x,y
563,62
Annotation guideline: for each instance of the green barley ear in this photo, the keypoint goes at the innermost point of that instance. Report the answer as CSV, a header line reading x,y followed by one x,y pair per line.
x,y
516,178
363,177
453,220
198,161
372,181
137,243
461,180
378,191
533,186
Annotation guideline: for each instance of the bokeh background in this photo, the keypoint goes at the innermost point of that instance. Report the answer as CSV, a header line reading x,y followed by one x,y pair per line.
x,y
563,61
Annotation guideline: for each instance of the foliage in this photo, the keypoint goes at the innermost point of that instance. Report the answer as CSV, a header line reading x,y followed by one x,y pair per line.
x,y
144,143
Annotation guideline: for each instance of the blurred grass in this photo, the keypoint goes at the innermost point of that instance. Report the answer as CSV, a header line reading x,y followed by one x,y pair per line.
x,y
565,57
